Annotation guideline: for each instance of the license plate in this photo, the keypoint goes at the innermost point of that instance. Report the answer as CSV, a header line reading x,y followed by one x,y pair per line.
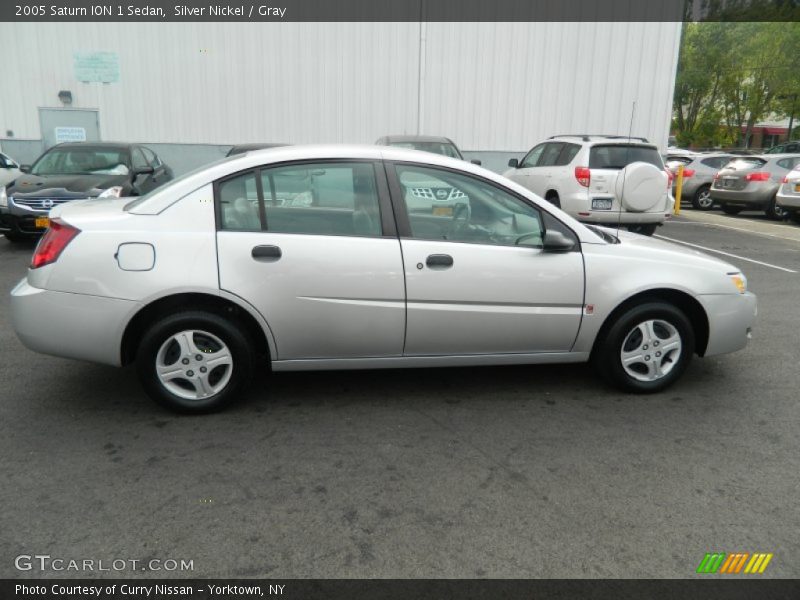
x,y
443,211
797,187
601,203
728,182
42,222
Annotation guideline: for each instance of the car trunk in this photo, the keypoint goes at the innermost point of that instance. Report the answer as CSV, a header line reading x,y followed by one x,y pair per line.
x,y
734,175
606,162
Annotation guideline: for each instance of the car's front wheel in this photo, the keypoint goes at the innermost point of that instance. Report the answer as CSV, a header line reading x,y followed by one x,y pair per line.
x,y
646,349
194,361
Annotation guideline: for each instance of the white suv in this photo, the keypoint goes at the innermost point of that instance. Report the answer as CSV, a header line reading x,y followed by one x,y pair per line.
x,y
604,179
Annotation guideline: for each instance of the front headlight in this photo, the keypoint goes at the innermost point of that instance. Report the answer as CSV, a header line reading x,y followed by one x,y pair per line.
x,y
740,281
112,192
3,197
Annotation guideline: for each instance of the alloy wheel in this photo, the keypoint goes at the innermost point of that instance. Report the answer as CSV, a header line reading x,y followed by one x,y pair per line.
x,y
194,364
651,350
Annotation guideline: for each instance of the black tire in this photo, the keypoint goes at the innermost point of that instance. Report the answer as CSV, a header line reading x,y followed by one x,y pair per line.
x,y
17,238
702,199
229,333
606,355
553,199
731,210
644,229
775,212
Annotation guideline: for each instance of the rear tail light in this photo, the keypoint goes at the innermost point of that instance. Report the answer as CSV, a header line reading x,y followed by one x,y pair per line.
x,y
53,243
688,173
716,175
583,175
785,179
759,176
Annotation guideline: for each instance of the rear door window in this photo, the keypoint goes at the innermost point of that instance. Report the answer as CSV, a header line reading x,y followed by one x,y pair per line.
x,y
619,156
788,163
567,154
550,155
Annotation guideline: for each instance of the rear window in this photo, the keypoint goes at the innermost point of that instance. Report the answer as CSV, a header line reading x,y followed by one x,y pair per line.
x,y
744,163
716,162
619,156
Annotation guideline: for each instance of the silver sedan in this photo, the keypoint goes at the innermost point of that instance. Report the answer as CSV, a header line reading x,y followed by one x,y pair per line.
x,y
303,258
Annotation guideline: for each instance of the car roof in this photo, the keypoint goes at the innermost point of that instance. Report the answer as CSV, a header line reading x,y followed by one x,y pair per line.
x,y
416,138
111,145
239,148
604,138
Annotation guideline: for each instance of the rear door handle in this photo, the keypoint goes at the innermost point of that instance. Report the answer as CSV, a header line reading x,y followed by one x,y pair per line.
x,y
266,252
439,260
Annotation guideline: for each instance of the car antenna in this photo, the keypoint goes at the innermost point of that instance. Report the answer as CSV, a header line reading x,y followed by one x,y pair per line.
x,y
625,169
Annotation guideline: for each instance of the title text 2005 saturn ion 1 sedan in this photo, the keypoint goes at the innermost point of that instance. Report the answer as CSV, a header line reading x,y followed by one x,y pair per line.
x,y
315,258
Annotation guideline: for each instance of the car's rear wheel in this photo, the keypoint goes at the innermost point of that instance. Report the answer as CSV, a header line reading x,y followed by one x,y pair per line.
x,y
194,361
702,199
774,211
644,229
729,209
646,349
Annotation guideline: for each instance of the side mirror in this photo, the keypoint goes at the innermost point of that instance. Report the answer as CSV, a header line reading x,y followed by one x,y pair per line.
x,y
475,161
25,168
513,163
555,241
142,171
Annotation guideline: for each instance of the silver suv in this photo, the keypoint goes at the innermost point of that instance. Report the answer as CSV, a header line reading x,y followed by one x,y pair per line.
x,y
698,175
604,179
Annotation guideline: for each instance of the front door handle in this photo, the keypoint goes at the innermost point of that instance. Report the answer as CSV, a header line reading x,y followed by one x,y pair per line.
x,y
266,252
442,261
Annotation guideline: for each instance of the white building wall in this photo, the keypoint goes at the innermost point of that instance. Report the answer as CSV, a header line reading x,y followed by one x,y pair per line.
x,y
489,86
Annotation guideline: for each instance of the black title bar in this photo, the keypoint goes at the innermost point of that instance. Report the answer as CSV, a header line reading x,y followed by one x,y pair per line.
x,y
398,10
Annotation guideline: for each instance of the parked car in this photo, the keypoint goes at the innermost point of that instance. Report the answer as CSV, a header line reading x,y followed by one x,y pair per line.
x,y
785,148
751,182
74,171
426,143
609,180
788,196
242,148
9,170
205,280
698,175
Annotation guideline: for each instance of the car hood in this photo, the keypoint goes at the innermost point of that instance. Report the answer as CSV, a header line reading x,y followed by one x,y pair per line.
x,y
653,248
50,186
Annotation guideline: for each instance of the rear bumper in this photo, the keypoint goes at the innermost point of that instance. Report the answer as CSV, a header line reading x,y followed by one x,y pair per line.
x,y
70,325
578,206
731,318
758,197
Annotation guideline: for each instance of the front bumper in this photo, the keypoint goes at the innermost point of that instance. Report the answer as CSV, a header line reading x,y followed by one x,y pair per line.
x,y
731,318
20,224
68,325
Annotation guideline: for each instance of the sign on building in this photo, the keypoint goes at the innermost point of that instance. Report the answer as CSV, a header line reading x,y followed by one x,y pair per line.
x,y
70,134
96,67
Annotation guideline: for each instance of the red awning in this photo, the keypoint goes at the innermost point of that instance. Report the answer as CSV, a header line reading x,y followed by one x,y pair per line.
x,y
775,130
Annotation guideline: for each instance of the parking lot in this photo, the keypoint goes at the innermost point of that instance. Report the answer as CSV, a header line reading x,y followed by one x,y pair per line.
x,y
532,471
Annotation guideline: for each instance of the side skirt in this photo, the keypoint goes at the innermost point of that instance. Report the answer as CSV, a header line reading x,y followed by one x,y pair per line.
x,y
399,362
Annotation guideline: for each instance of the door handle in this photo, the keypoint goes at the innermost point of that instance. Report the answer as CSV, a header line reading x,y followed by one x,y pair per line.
x,y
439,260
266,252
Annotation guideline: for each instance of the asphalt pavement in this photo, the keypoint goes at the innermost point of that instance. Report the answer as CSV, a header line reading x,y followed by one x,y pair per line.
x,y
527,471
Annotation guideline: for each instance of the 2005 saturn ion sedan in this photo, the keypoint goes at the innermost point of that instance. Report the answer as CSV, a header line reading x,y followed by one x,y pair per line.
x,y
304,258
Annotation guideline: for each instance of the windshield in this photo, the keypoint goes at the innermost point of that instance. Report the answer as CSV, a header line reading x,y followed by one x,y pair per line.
x,y
619,156
83,161
435,147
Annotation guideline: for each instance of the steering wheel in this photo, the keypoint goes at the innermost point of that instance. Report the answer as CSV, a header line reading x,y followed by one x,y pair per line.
x,y
460,219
